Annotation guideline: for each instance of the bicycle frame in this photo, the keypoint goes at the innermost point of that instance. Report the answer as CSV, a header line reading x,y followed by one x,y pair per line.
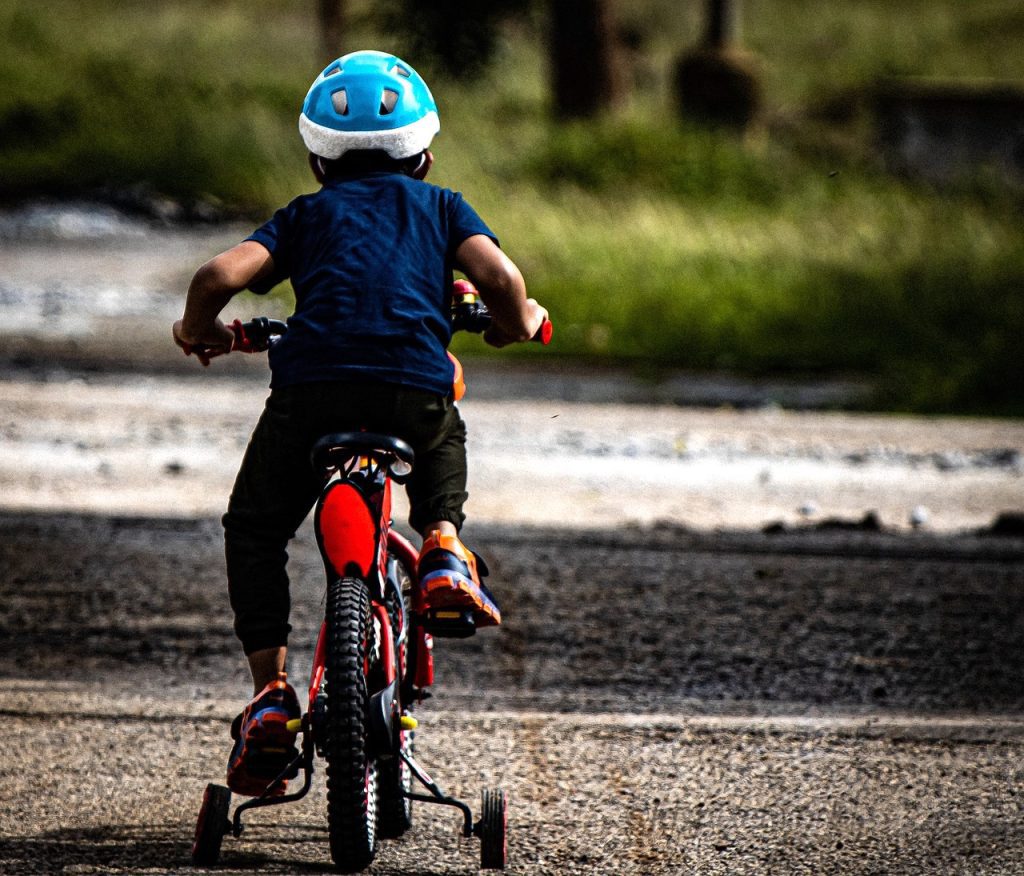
x,y
352,523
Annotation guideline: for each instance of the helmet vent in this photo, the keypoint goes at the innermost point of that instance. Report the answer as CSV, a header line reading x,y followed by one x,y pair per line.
x,y
340,101
401,71
333,71
387,102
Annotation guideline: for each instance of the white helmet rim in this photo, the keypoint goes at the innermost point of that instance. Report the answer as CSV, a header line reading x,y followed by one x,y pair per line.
x,y
398,143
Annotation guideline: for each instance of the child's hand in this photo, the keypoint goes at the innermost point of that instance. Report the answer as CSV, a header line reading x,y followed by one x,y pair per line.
x,y
497,337
206,345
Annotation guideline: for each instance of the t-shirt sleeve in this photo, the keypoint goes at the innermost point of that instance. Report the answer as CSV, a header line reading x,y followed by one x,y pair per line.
x,y
275,235
464,222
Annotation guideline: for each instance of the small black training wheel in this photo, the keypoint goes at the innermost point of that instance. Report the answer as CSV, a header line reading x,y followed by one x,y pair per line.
x,y
493,829
211,825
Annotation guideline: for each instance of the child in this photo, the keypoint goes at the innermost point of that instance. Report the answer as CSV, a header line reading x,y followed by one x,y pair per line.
x,y
370,256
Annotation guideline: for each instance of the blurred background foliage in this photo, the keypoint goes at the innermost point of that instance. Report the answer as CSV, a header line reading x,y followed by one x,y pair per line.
x,y
789,249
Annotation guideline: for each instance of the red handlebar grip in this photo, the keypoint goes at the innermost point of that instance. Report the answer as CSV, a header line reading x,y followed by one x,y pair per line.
x,y
544,333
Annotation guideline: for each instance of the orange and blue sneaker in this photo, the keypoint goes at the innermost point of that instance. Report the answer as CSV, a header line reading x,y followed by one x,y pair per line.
x,y
264,745
457,603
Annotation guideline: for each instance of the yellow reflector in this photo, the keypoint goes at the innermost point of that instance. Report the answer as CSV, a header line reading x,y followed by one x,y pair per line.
x,y
448,615
294,725
408,722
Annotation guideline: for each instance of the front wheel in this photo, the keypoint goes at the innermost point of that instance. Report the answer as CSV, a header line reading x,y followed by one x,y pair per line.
x,y
211,826
493,830
351,772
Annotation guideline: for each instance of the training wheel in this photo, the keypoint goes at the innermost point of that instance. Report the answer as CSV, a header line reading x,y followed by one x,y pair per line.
x,y
493,829
211,825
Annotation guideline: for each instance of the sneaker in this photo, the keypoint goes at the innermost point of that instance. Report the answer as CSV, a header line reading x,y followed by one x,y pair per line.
x,y
450,581
264,745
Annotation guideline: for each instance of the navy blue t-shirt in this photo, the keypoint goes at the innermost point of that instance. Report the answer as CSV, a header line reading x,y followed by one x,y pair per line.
x,y
370,259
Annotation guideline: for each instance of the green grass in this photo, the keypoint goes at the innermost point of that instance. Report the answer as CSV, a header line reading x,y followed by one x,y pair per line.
x,y
116,94
918,293
654,244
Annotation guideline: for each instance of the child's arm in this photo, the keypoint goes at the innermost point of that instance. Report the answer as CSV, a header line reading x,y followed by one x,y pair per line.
x,y
212,287
502,288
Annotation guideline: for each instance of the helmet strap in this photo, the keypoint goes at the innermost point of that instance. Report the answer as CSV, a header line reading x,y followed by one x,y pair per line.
x,y
423,167
316,164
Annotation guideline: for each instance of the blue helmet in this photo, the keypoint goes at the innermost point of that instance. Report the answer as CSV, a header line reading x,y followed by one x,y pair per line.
x,y
368,100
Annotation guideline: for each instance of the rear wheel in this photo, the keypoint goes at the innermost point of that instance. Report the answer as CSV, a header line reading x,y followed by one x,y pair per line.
x,y
211,826
351,772
395,777
493,830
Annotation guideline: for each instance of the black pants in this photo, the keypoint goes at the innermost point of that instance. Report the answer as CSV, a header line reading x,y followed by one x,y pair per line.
x,y
276,486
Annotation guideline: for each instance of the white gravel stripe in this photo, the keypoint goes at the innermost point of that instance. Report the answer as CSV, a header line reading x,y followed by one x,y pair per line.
x,y
168,446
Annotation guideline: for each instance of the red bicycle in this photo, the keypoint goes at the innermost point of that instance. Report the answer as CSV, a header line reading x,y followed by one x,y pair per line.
x,y
373,660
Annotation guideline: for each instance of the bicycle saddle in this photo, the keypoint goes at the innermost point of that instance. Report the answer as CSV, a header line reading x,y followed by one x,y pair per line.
x,y
334,450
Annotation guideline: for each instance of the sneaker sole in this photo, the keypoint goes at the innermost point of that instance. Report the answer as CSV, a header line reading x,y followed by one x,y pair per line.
x,y
448,591
268,748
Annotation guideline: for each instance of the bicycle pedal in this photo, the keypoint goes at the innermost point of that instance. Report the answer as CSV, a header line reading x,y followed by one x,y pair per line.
x,y
450,623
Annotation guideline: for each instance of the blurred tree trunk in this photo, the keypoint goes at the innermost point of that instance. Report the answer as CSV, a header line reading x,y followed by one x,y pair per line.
x,y
723,25
459,38
586,79
331,21
718,83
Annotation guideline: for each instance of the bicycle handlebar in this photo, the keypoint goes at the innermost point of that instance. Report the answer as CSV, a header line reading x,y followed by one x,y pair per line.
x,y
257,335
469,314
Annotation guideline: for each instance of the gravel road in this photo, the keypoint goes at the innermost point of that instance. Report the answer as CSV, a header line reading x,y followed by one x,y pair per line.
x,y
659,701
738,640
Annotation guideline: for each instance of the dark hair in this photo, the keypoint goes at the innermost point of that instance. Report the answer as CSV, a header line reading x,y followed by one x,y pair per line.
x,y
359,161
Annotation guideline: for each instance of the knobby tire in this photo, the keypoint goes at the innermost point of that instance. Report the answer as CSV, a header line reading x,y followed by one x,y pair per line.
x,y
351,773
